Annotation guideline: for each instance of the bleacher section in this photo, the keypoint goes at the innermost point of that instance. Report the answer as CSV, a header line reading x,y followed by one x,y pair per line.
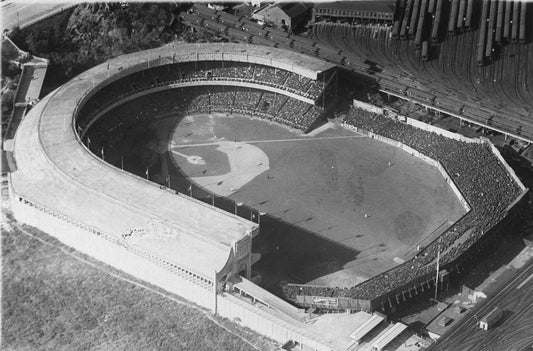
x,y
204,99
479,175
217,71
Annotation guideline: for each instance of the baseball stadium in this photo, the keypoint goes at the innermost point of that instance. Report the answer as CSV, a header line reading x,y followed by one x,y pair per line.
x,y
217,172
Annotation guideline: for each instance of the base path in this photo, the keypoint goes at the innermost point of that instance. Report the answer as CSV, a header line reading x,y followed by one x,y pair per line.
x,y
246,162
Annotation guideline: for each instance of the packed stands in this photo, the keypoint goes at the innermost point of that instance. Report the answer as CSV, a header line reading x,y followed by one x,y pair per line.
x,y
202,99
478,174
200,71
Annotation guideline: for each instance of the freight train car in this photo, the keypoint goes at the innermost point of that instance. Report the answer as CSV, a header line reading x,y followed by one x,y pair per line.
x,y
396,29
405,21
205,12
425,48
420,26
239,35
392,86
468,18
522,30
453,17
507,19
229,20
304,47
414,19
191,19
257,40
421,95
499,22
254,29
431,6
490,29
461,14
436,23
482,32
514,28
449,104
214,27
278,38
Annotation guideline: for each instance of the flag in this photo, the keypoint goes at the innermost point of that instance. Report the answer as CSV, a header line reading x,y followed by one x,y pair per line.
x,y
102,152
146,171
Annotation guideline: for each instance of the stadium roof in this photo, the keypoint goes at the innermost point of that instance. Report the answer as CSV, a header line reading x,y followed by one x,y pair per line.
x,y
376,6
56,171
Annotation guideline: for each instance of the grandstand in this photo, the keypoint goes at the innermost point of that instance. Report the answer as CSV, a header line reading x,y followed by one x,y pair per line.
x,y
140,227
489,186
117,217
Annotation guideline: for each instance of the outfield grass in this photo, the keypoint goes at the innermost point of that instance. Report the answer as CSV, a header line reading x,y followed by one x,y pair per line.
x,y
342,207
52,300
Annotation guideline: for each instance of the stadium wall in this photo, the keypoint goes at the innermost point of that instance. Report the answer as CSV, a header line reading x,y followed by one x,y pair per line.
x,y
266,323
112,251
151,269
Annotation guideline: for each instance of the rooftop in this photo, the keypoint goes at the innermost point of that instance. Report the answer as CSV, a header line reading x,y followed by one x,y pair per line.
x,y
377,6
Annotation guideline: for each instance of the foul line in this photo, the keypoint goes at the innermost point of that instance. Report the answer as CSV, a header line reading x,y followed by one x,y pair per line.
x,y
270,141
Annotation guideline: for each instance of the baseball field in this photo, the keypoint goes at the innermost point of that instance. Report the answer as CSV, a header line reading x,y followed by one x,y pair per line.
x,y
338,207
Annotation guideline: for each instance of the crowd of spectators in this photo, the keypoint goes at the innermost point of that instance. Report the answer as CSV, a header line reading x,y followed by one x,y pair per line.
x,y
199,71
201,99
481,178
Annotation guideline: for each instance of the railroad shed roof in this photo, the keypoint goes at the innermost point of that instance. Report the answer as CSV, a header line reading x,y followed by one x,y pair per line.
x,y
376,6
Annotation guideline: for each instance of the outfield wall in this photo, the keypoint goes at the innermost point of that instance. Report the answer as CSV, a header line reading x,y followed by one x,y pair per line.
x,y
112,251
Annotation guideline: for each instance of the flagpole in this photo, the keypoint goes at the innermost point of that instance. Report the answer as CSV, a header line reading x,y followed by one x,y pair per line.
x,y
212,199
437,275
147,172
122,162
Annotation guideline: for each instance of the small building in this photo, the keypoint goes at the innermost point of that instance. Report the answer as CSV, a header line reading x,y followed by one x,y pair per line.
x,y
490,319
285,16
355,11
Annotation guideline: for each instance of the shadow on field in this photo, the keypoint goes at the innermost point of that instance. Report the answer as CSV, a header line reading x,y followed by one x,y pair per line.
x,y
289,253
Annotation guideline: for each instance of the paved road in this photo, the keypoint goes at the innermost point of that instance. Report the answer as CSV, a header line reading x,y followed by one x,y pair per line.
x,y
23,12
514,332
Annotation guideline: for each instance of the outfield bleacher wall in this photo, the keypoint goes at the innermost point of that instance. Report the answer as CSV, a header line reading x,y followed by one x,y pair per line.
x,y
110,250
149,268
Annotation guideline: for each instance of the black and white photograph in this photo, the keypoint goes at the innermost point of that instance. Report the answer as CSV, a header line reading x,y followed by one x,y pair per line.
x,y
267,175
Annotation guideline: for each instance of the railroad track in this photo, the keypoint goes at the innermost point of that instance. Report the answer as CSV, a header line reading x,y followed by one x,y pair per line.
x,y
516,325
